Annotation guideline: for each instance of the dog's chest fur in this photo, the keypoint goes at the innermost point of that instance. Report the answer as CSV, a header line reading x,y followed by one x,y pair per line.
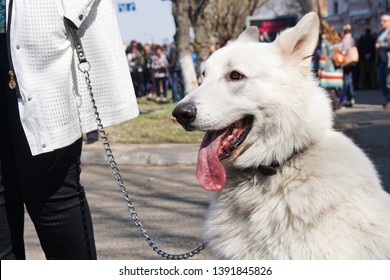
x,y
296,215
252,219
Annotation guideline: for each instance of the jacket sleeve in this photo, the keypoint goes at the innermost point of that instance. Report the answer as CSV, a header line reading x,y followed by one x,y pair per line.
x,y
75,10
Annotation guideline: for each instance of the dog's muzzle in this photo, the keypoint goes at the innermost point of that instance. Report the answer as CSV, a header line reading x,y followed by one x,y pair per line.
x,y
185,114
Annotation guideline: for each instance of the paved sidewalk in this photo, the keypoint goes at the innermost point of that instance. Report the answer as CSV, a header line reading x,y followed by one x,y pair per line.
x,y
368,124
161,182
159,154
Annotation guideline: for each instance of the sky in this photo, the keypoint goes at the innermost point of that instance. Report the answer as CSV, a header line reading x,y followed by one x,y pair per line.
x,y
146,21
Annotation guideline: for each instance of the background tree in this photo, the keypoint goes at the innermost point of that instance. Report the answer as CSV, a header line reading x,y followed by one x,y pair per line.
x,y
221,20
228,17
186,14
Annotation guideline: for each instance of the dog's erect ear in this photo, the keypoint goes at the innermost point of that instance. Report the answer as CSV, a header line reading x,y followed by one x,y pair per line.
x,y
249,35
299,42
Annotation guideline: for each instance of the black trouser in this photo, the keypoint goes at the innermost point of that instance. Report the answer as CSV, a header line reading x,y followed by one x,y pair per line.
x,y
47,184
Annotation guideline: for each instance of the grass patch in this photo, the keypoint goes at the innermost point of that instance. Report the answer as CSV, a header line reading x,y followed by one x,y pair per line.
x,y
154,125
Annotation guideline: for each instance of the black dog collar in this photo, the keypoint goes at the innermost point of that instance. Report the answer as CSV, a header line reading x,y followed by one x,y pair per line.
x,y
270,170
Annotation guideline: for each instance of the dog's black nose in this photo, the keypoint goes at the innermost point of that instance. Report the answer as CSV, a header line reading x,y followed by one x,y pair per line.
x,y
185,113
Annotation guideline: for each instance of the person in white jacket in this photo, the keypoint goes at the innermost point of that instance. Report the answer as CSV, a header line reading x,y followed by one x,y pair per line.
x,y
44,111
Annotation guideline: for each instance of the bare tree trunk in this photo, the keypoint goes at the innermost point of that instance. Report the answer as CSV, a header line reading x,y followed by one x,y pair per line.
x,y
227,18
202,32
180,11
201,22
230,16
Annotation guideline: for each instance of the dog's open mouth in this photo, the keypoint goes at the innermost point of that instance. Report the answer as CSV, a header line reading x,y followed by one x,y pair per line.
x,y
218,146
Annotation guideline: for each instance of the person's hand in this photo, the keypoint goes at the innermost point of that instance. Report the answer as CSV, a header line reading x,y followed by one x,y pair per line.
x,y
377,45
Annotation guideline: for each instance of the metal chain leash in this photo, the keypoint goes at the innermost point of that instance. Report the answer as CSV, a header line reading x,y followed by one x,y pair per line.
x,y
84,67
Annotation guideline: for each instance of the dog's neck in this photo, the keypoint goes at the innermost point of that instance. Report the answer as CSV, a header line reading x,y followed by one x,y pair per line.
x,y
272,169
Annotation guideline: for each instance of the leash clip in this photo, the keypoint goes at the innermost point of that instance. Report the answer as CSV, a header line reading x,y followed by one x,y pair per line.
x,y
74,31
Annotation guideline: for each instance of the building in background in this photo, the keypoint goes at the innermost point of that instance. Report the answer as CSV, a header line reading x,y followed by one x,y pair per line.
x,y
270,27
361,14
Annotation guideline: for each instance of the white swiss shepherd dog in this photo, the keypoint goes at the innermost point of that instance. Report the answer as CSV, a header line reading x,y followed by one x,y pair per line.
x,y
285,184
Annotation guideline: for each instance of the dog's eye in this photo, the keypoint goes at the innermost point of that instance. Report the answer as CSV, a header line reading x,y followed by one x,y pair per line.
x,y
236,76
203,73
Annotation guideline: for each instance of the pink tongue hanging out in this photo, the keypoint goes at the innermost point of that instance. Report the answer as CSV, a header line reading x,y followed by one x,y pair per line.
x,y
210,172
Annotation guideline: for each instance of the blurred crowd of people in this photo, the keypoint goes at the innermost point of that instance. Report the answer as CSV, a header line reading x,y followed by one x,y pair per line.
x,y
344,63
155,69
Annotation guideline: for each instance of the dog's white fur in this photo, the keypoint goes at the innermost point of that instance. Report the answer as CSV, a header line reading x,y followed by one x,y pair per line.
x,y
325,202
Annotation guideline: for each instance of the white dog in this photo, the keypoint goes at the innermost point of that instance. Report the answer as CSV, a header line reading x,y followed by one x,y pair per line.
x,y
287,186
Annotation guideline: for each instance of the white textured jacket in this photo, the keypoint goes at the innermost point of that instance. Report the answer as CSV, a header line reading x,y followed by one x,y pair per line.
x,y
54,104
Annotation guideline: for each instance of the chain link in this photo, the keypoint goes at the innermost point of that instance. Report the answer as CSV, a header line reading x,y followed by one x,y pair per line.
x,y
118,178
